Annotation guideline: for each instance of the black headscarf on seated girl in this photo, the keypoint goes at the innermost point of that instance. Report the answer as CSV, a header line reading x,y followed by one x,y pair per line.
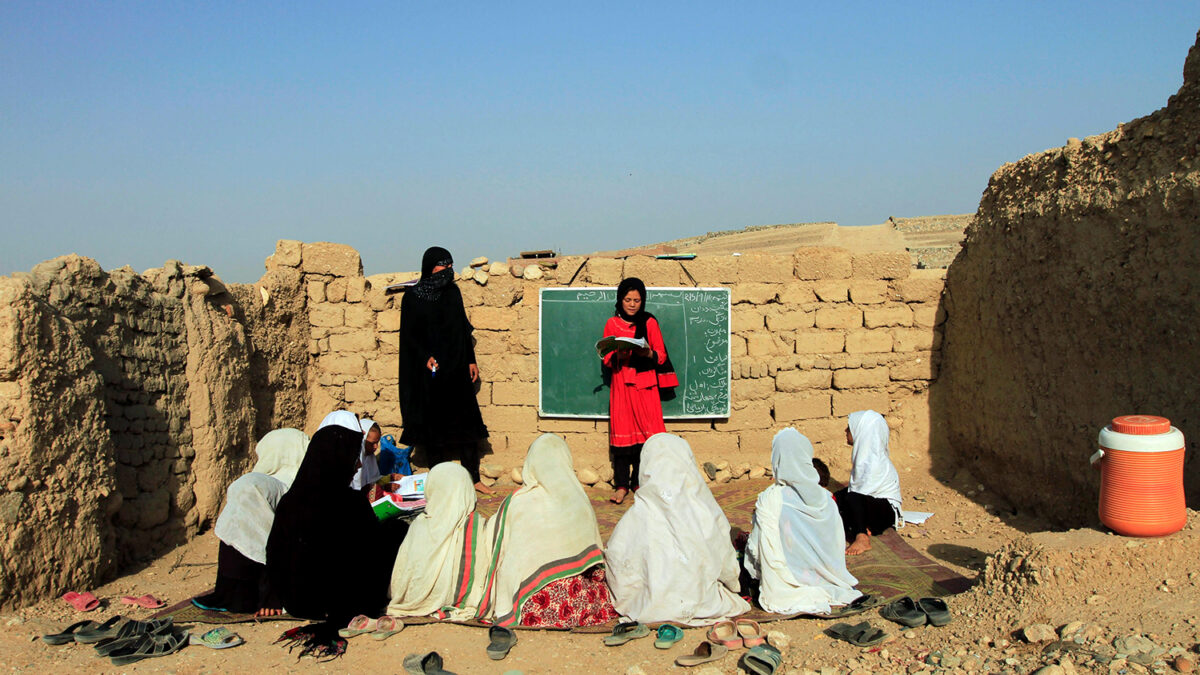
x,y
666,371
322,551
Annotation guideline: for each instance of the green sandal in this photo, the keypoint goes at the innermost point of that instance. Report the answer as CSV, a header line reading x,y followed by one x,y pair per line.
x,y
624,632
217,638
762,660
667,636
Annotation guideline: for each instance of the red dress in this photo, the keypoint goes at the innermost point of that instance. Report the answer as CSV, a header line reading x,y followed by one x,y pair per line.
x,y
634,406
581,600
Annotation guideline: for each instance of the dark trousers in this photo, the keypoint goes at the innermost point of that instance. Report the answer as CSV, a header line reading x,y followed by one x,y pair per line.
x,y
626,461
863,513
466,453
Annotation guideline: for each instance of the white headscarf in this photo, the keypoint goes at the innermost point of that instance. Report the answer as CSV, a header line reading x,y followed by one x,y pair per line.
x,y
441,566
368,471
670,557
280,453
545,531
797,548
250,501
341,418
871,471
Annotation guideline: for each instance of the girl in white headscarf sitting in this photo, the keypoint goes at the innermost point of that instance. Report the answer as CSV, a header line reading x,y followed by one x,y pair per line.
x,y
871,503
245,522
549,561
796,548
670,557
367,470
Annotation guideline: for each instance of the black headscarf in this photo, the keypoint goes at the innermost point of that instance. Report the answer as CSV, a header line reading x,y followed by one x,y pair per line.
x,y
642,363
431,284
324,532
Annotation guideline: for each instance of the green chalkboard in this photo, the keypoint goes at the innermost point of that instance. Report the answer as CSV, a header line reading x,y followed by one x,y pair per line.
x,y
695,327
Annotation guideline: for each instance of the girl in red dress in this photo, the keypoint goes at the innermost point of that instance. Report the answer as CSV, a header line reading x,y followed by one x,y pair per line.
x,y
634,405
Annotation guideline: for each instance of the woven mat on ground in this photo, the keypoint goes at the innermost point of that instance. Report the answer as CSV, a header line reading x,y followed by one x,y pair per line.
x,y
186,612
891,568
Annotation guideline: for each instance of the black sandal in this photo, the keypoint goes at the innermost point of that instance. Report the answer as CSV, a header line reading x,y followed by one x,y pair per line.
x,y
67,634
904,612
149,646
859,635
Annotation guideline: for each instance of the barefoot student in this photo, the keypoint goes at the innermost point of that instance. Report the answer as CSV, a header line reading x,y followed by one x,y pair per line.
x,y
871,503
438,374
634,405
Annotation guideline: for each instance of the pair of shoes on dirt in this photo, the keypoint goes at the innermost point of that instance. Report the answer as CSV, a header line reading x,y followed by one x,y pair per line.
x,y
913,613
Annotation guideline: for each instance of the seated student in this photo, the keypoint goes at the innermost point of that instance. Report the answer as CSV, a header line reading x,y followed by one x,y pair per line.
x,y
549,564
871,503
441,566
670,557
796,548
245,522
324,554
367,469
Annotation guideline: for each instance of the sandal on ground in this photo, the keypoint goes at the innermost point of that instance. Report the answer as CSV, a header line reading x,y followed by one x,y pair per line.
x,y
82,602
359,625
501,640
146,601
706,652
936,611
904,612
762,660
132,631
859,635
751,633
420,664
386,627
667,635
102,631
624,632
67,634
859,605
217,638
150,646
725,633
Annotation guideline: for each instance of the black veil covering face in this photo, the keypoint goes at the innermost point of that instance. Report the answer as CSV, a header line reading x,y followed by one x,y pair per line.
x,y
438,409
323,553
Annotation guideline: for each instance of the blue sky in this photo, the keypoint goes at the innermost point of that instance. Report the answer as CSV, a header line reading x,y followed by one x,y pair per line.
x,y
140,132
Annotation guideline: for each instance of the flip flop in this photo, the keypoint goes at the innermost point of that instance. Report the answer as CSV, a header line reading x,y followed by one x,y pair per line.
x,y
386,627
359,625
752,634
725,633
150,646
667,636
83,602
217,638
762,660
936,611
859,635
502,640
859,605
904,612
103,631
705,652
146,601
624,632
421,664
68,634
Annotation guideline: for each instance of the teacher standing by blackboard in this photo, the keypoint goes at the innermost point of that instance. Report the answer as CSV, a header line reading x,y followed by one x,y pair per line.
x,y
634,403
437,369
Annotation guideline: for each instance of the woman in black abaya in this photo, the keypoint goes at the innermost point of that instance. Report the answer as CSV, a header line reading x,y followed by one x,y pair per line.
x,y
437,369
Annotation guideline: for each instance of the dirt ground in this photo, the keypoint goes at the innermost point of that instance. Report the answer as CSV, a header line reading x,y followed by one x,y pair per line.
x,y
1026,574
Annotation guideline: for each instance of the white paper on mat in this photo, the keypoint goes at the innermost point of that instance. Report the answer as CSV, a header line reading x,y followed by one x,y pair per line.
x,y
915,517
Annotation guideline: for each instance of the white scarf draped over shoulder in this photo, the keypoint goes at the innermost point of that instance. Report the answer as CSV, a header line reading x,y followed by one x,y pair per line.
x,y
797,546
871,470
442,563
245,521
670,557
544,532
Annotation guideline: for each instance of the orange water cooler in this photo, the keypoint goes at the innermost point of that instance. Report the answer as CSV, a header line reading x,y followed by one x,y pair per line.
x,y
1141,476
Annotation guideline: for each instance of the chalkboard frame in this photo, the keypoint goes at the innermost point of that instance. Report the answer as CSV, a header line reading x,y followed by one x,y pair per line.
x,y
727,292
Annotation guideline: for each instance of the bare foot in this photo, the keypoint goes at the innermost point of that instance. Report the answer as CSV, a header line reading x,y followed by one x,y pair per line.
x,y
619,496
861,544
483,489
266,611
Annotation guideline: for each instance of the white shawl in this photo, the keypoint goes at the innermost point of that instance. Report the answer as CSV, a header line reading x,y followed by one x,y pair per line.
x,y
797,546
341,418
670,557
545,531
368,470
871,471
441,565
250,501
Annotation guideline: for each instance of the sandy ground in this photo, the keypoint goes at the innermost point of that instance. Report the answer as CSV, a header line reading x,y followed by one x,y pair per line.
x,y
1026,575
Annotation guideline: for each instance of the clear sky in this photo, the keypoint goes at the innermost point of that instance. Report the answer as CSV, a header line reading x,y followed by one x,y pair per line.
x,y
137,132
